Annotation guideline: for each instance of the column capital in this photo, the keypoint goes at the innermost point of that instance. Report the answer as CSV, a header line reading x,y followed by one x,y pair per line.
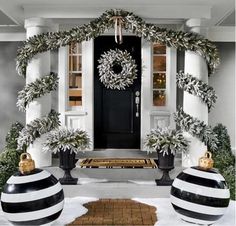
x,y
38,22
194,22
197,25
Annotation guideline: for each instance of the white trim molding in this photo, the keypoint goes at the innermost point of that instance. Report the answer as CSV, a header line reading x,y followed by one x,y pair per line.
x,y
222,34
12,37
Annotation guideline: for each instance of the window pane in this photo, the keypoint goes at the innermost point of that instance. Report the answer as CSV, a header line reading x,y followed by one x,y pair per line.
x,y
75,75
159,63
75,98
159,98
75,80
73,48
159,49
79,63
159,80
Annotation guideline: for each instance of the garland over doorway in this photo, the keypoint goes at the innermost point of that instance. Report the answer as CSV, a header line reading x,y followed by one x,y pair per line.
x,y
131,23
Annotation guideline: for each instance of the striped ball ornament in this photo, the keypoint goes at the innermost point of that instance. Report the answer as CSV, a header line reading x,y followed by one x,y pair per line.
x,y
32,199
200,196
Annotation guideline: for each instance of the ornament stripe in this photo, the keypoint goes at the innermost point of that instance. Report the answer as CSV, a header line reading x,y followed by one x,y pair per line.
x,y
196,221
36,185
28,178
204,174
205,191
202,181
210,171
199,199
34,205
42,221
34,215
195,215
35,195
202,209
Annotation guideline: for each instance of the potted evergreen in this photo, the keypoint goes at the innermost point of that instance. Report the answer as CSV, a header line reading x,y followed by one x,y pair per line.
x,y
67,142
166,143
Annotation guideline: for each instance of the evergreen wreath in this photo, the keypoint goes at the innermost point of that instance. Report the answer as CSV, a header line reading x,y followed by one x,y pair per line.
x,y
196,128
36,89
36,128
197,87
117,69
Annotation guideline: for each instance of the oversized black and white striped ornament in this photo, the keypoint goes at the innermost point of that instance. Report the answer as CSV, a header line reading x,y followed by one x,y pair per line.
x,y
35,198
200,196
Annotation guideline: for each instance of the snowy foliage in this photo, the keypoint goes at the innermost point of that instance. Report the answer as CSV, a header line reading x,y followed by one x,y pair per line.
x,y
36,128
196,128
112,79
132,23
197,87
67,139
166,141
36,89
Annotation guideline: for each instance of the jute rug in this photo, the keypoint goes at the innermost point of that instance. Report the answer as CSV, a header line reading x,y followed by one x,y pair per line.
x,y
117,212
117,163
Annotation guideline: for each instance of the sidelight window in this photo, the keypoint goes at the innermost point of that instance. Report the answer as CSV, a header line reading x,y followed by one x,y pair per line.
x,y
159,74
75,75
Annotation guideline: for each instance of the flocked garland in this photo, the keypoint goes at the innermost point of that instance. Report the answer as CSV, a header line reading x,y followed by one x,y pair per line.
x,y
36,89
150,32
36,128
109,77
197,87
178,39
196,128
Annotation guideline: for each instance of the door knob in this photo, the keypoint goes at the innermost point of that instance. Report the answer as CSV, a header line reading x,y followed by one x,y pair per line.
x,y
137,101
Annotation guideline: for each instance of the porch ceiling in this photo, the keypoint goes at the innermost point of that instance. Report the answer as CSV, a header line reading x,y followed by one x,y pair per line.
x,y
213,12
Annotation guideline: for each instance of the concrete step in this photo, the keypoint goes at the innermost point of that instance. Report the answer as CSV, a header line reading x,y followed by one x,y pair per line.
x,y
115,182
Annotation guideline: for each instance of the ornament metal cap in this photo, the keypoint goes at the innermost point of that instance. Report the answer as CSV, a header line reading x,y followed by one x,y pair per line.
x,y
206,162
26,164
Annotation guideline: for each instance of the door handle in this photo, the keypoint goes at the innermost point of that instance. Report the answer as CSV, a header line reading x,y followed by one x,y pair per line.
x,y
137,102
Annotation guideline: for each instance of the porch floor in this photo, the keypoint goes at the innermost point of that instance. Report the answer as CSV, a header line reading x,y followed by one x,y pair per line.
x,y
116,183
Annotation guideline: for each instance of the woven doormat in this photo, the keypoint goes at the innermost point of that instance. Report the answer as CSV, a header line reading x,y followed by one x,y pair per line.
x,y
117,163
117,212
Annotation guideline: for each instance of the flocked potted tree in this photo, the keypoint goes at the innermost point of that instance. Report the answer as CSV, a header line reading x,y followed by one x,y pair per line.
x,y
67,142
167,143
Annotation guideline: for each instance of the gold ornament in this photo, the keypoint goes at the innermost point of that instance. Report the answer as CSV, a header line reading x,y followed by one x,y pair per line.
x,y
26,164
206,162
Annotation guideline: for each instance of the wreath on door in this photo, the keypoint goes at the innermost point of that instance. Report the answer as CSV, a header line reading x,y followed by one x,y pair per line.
x,y
117,69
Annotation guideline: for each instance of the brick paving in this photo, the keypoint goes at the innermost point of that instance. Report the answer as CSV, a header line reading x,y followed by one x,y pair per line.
x,y
117,212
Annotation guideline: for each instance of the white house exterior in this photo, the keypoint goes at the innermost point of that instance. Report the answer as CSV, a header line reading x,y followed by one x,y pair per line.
x,y
76,95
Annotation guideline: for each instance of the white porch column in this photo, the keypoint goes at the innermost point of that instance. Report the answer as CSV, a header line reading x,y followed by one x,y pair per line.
x,y
192,105
37,68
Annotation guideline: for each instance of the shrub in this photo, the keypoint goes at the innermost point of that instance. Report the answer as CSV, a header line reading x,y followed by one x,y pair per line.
x,y
223,137
224,160
229,175
12,135
9,160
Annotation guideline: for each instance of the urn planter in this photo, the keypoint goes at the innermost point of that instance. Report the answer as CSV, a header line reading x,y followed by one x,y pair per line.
x,y
166,142
67,163
166,164
67,142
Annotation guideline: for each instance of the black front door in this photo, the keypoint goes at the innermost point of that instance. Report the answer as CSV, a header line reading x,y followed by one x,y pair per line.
x,y
116,115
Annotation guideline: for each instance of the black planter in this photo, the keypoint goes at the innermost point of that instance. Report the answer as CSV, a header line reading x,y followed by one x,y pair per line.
x,y
165,163
67,163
